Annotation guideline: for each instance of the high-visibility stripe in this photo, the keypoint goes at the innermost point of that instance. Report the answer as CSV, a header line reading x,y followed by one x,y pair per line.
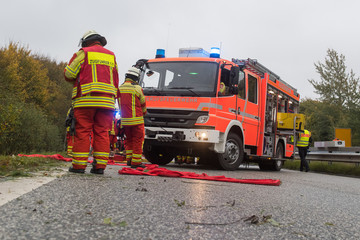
x,y
102,161
79,162
74,92
111,76
94,101
129,91
94,104
73,72
128,154
133,105
98,87
81,154
136,158
101,154
94,73
132,121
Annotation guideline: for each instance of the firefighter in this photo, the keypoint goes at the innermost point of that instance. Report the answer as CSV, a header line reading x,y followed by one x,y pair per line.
x,y
133,108
224,90
303,146
93,71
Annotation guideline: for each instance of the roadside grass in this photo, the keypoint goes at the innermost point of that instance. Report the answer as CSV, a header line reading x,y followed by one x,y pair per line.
x,y
15,166
343,169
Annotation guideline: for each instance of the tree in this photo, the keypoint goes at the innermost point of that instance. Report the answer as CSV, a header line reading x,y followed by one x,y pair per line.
x,y
339,92
321,118
34,99
336,85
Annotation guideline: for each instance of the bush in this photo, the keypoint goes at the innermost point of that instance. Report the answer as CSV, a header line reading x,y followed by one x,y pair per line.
x,y
29,131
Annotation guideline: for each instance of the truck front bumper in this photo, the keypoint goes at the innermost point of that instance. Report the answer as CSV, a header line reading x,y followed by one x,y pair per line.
x,y
163,134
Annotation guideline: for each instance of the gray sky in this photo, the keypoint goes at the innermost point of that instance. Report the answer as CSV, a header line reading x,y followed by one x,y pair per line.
x,y
286,36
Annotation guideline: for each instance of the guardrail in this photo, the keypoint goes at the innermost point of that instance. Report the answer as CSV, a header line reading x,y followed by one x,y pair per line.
x,y
334,154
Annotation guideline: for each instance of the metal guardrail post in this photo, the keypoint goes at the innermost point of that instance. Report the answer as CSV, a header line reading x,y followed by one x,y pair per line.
x,y
295,138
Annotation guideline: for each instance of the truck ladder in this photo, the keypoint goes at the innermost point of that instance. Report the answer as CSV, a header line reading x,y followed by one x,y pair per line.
x,y
254,66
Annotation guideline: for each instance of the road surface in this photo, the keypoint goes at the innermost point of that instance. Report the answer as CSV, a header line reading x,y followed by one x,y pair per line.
x,y
113,206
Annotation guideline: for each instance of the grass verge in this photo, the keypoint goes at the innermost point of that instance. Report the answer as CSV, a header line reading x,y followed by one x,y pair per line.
x,y
15,166
343,169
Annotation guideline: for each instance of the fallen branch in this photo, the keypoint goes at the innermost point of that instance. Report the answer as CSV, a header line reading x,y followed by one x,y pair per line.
x,y
218,224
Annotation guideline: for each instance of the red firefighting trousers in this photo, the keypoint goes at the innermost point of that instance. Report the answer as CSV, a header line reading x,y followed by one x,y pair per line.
x,y
96,121
134,143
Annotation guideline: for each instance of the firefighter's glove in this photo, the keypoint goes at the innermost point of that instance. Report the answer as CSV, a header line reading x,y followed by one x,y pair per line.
x,y
72,126
70,122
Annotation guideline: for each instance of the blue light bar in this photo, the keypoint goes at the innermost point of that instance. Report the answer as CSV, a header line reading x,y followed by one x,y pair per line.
x,y
160,53
215,52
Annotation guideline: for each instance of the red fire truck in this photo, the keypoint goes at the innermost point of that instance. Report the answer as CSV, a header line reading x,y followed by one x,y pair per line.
x,y
226,112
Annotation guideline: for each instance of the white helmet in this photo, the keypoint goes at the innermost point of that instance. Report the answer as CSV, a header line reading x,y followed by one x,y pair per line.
x,y
92,36
134,72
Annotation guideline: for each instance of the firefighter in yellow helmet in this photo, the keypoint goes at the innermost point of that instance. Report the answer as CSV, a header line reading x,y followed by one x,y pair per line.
x,y
304,139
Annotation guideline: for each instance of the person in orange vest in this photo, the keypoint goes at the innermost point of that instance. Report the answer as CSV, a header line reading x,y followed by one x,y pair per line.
x,y
93,71
133,108
303,145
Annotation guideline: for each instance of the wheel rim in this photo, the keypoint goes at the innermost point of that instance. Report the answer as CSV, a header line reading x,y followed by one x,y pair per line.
x,y
232,152
278,163
279,154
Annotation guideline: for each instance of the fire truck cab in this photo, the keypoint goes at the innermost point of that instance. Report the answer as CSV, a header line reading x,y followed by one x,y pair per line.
x,y
226,112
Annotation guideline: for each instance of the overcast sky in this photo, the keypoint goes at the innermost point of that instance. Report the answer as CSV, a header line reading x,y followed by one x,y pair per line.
x,y
286,36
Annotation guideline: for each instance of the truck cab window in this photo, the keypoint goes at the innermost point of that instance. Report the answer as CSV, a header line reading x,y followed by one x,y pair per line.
x,y
242,92
224,82
152,80
252,91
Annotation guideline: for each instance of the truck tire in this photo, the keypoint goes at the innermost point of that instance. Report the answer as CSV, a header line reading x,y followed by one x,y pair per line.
x,y
156,156
234,153
274,165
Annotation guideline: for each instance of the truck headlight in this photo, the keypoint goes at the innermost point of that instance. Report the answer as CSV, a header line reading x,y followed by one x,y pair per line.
x,y
202,135
202,119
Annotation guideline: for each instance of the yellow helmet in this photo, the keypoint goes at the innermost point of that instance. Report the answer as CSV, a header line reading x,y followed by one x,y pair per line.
x,y
92,35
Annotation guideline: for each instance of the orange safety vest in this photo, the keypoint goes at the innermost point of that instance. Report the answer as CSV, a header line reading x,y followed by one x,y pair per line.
x,y
97,80
131,103
304,139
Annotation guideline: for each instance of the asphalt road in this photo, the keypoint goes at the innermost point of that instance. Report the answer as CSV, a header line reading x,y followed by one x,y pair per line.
x,y
113,206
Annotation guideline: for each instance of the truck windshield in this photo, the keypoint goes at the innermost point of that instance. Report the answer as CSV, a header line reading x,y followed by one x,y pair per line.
x,y
180,79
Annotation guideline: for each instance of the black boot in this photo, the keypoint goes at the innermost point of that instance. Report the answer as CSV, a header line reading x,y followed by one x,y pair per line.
x,y
140,165
128,162
97,170
73,170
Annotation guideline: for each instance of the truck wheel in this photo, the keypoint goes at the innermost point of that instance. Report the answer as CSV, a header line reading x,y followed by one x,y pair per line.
x,y
156,156
234,153
276,165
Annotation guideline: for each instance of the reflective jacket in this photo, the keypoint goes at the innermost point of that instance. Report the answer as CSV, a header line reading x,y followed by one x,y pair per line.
x,y
94,72
304,139
131,103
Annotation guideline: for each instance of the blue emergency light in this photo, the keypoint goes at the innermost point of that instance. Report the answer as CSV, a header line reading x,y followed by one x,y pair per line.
x,y
160,53
215,52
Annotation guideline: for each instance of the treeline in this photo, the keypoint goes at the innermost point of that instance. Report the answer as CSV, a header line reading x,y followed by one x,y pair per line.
x,y
34,100
338,105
